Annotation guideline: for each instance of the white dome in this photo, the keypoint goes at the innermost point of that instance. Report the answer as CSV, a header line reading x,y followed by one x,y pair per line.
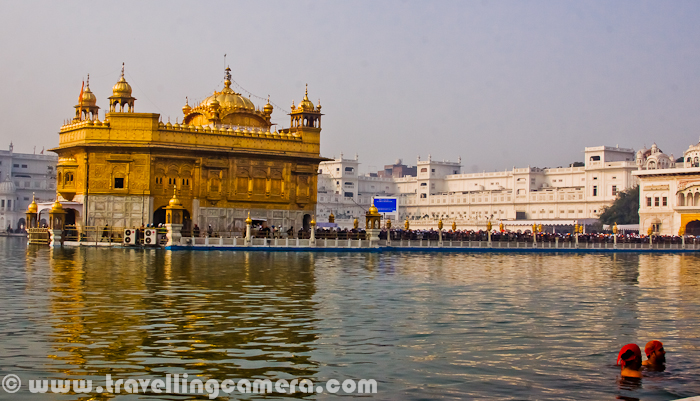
x,y
7,188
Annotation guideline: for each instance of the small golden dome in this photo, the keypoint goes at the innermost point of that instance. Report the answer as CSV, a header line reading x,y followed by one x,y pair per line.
x,y
174,201
319,105
313,221
249,220
306,104
373,209
88,98
186,108
268,107
33,208
121,88
57,207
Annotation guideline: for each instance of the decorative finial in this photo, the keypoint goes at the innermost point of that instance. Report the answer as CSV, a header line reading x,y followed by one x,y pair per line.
x,y
227,74
122,70
87,83
187,101
307,90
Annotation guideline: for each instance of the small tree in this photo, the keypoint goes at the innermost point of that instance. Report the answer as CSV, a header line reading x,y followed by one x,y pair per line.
x,y
624,210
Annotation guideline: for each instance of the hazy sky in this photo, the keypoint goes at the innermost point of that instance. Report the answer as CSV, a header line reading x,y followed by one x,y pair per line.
x,y
499,83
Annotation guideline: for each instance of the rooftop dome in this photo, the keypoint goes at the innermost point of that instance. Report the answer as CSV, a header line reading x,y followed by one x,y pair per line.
x,y
121,88
228,99
306,104
7,187
88,98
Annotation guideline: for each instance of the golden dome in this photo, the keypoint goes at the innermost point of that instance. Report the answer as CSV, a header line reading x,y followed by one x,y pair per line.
x,y
33,208
228,99
174,201
268,107
121,88
306,104
89,98
186,108
373,209
57,207
249,220
313,221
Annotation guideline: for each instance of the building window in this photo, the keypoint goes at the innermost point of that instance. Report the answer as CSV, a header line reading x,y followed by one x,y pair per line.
x,y
656,201
595,158
15,165
349,195
648,201
424,170
423,184
595,190
614,190
2,203
349,169
118,183
433,170
664,201
24,166
337,169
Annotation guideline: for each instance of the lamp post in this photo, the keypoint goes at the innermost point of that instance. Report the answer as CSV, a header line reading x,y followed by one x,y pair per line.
x,y
248,224
534,235
312,241
440,232
681,233
488,230
615,235
388,232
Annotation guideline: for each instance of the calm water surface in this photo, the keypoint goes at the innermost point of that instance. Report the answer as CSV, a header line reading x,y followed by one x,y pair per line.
x,y
425,326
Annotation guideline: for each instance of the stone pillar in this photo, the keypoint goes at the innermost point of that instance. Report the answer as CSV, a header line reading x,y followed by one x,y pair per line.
x,y
174,234
57,217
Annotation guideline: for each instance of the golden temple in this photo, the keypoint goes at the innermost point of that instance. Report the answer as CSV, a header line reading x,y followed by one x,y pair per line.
x,y
224,161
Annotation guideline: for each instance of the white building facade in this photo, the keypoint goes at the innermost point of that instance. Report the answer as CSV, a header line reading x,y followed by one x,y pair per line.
x,y
23,176
669,193
554,196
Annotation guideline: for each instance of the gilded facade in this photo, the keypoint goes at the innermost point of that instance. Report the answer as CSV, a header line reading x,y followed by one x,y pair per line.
x,y
223,161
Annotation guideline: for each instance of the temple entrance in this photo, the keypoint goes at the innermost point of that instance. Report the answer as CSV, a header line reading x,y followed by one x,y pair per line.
x,y
693,228
307,222
70,216
159,218
21,224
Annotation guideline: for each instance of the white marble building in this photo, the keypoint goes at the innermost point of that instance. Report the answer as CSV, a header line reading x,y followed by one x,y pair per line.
x,y
29,174
519,196
669,193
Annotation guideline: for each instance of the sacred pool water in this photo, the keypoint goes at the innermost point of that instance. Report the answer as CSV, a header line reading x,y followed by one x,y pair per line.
x,y
424,326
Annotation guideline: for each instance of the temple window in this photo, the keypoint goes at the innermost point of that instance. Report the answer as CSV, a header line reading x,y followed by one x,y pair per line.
x,y
119,183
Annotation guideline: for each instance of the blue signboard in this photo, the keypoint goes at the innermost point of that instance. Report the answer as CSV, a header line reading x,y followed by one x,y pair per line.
x,y
386,205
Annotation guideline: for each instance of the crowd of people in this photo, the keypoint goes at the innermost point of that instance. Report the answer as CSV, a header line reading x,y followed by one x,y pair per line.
x,y
264,231
631,363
